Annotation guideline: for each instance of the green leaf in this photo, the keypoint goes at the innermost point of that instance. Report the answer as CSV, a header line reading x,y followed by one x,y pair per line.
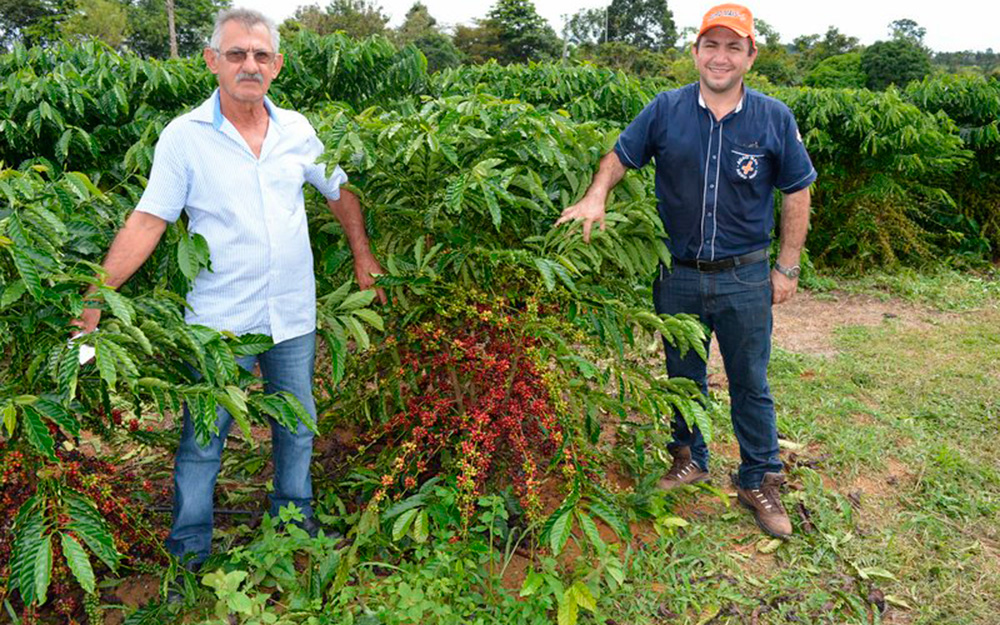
x,y
421,527
371,317
359,299
708,614
298,411
233,399
357,331
560,532
568,610
10,418
87,523
79,562
491,203
548,276
106,363
81,185
28,271
251,344
612,518
58,415
192,254
140,337
532,582
38,433
584,598
590,531
120,306
402,524
12,293
43,570
69,370
28,545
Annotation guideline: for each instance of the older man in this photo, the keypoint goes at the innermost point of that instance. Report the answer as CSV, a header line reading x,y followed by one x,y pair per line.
x,y
236,165
720,150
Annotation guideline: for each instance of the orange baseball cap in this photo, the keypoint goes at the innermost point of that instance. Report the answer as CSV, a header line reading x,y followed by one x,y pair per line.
x,y
735,17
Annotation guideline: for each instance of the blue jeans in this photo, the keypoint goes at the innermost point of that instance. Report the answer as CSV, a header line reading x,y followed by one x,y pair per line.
x,y
735,305
287,366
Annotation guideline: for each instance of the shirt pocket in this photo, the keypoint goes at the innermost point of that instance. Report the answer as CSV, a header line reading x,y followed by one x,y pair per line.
x,y
746,163
286,186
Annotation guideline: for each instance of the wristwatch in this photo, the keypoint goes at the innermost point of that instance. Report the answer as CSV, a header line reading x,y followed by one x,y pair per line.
x,y
789,272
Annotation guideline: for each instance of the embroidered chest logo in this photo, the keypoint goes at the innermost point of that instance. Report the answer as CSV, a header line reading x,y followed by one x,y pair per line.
x,y
747,166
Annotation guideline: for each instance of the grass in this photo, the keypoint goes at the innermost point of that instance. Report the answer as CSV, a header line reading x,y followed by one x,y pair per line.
x,y
897,474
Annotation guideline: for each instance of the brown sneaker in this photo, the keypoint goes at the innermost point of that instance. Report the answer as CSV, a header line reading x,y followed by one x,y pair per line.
x,y
684,470
766,506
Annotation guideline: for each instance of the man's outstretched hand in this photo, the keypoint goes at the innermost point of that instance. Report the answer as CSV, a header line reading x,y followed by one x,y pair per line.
x,y
589,210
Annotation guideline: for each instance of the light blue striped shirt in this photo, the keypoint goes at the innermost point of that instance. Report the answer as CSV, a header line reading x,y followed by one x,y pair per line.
x,y
251,212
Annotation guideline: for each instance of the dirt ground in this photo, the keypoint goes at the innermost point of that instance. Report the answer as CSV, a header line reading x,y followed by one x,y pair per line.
x,y
806,324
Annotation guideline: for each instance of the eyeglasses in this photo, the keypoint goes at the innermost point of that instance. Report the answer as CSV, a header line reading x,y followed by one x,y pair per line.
x,y
238,55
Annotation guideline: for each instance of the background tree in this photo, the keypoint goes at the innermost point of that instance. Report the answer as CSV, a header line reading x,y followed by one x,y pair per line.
x,y
839,71
106,20
647,24
586,26
812,49
523,34
773,59
417,23
894,62
149,32
907,30
356,18
480,42
421,29
627,58
32,22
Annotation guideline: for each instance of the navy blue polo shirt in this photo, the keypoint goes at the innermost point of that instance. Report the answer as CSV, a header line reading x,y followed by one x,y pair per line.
x,y
715,178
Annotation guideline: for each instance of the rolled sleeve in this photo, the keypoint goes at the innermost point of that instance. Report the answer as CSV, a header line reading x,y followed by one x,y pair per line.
x,y
166,192
315,173
796,171
636,145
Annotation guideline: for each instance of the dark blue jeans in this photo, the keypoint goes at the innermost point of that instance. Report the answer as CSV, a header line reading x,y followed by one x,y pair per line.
x,y
288,366
735,305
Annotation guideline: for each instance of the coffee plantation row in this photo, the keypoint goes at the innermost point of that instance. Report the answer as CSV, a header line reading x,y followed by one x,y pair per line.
x,y
507,347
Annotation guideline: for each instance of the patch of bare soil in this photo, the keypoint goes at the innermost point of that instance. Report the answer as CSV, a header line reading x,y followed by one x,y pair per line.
x,y
132,592
806,323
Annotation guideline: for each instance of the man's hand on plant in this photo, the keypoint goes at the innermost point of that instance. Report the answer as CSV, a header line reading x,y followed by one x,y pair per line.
x,y
87,322
589,210
365,270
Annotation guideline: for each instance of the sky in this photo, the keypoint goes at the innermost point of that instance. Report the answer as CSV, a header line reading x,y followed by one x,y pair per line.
x,y
952,25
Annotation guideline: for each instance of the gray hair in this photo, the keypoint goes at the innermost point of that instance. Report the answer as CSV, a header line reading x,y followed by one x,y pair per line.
x,y
247,17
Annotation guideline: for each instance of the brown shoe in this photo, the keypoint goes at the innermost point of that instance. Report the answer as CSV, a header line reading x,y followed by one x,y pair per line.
x,y
684,470
766,506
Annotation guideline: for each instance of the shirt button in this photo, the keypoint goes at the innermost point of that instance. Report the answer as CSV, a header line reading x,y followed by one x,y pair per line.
x,y
711,186
710,214
713,157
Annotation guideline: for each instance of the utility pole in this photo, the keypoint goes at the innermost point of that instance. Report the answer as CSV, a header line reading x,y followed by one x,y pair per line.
x,y
173,29
606,23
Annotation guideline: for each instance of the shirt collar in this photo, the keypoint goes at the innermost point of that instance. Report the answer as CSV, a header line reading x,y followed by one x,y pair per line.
x,y
739,105
210,111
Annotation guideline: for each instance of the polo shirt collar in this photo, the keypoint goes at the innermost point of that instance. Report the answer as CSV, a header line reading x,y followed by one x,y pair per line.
x,y
210,111
739,106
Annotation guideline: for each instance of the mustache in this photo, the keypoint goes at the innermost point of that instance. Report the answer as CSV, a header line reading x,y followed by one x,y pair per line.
x,y
257,76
